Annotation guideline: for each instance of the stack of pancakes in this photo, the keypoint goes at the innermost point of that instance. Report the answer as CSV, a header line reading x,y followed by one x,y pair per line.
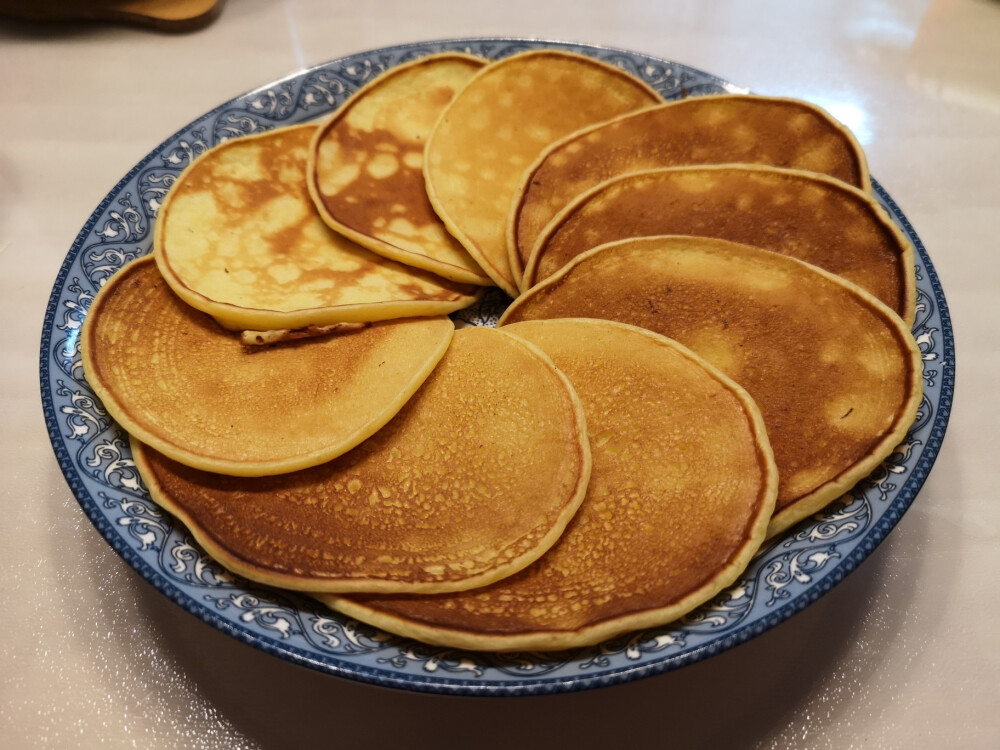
x,y
709,343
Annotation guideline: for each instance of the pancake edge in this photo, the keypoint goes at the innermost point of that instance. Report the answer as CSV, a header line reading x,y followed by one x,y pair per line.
x,y
905,262
267,576
382,247
554,640
224,466
237,318
517,203
508,285
814,501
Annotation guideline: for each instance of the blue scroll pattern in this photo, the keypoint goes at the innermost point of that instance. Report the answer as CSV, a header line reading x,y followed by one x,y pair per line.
x,y
95,456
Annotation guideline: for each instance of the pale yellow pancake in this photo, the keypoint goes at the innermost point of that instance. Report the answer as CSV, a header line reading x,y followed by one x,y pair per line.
x,y
172,377
801,214
238,237
473,480
366,166
836,374
697,130
681,492
496,127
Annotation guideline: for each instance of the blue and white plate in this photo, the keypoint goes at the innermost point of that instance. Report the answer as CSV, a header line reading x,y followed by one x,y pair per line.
x,y
93,452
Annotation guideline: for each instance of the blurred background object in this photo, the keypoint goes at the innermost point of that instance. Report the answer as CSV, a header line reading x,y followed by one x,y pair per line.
x,y
166,15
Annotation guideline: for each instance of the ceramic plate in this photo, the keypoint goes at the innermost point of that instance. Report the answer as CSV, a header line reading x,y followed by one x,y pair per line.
x,y
93,452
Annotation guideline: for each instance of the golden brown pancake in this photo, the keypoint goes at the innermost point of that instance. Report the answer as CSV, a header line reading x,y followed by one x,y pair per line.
x,y
807,216
496,127
475,478
720,129
238,237
172,377
366,166
681,491
836,374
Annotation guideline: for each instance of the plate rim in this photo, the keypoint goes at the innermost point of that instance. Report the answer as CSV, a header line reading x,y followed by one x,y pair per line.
x,y
333,665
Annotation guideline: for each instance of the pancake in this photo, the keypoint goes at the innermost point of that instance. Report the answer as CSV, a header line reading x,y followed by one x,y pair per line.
x,y
807,216
696,130
239,238
366,166
172,377
496,127
836,374
681,491
475,478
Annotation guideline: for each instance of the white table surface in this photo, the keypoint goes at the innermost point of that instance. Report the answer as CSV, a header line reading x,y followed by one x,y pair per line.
x,y
903,654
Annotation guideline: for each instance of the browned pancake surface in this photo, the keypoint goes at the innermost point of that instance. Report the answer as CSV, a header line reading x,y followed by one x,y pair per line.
x,y
172,376
475,477
238,237
681,491
497,126
806,216
366,166
697,130
836,374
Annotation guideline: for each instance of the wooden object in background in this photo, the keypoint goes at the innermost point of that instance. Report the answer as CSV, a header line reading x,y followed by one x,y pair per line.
x,y
167,15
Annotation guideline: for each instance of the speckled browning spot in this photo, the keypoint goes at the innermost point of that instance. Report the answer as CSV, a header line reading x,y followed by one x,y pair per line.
x,y
369,155
475,477
240,239
801,341
812,218
681,491
539,97
697,130
170,375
